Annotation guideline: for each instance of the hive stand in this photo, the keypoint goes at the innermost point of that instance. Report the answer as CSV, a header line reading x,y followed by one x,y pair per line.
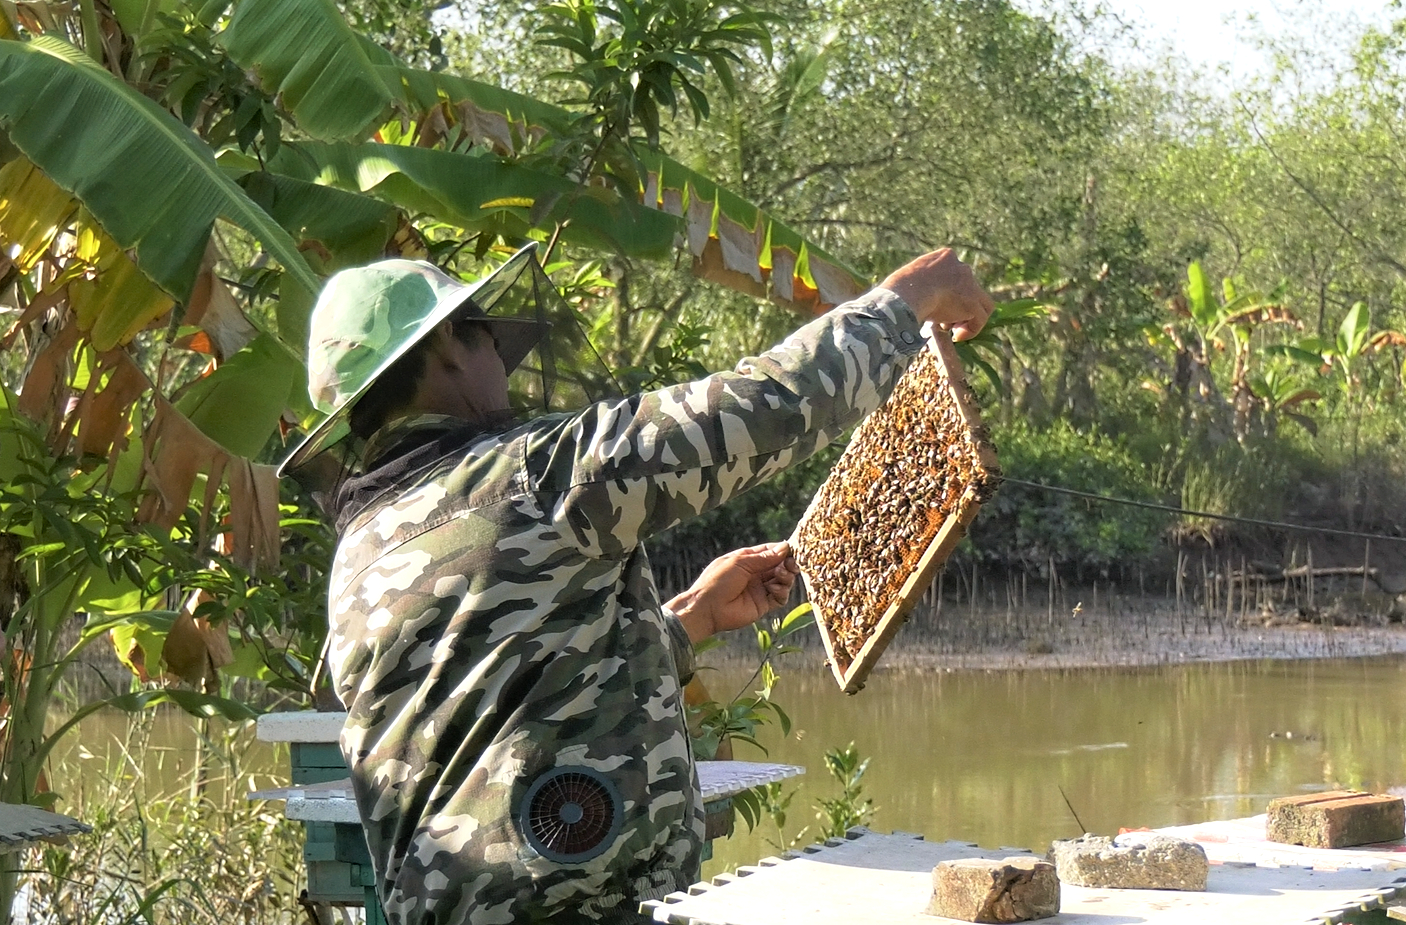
x,y
720,781
334,847
338,864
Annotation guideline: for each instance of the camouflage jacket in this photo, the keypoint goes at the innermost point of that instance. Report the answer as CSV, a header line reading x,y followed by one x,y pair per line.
x,y
493,618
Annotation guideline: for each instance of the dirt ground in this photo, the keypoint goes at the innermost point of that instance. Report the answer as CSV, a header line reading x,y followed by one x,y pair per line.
x,y
1122,631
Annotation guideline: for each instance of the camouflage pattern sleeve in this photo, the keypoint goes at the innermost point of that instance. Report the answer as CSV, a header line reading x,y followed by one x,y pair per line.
x,y
680,646
623,470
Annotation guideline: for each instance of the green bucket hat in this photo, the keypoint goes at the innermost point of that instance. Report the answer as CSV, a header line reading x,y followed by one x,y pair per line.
x,y
368,317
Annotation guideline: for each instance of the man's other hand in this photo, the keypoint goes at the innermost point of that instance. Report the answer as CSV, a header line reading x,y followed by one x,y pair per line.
x,y
941,289
736,589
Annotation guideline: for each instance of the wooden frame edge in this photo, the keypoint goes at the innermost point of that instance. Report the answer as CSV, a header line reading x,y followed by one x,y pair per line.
x,y
893,619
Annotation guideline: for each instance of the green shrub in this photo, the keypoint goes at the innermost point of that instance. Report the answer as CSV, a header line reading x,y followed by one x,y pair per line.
x,y
1024,528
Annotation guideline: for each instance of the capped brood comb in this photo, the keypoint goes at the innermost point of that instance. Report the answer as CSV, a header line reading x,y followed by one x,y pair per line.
x,y
892,510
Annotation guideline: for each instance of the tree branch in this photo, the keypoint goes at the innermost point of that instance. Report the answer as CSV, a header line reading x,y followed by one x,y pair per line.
x,y
1318,201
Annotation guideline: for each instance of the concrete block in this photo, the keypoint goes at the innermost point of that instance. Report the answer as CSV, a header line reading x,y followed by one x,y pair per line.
x,y
982,890
1132,861
1336,819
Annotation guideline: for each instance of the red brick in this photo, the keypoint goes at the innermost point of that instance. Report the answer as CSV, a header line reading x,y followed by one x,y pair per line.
x,y
1337,819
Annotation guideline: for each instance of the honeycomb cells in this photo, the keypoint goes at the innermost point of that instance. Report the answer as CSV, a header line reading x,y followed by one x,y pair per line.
x,y
910,466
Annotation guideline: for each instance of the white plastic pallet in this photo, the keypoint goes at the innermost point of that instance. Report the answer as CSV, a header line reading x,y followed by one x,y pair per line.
x,y
334,801
22,826
887,880
1244,840
719,779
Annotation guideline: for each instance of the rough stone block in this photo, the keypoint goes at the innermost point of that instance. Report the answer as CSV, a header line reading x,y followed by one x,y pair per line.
x,y
982,890
1337,819
1132,861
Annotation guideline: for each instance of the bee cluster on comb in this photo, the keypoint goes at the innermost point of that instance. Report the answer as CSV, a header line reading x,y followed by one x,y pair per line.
x,y
894,507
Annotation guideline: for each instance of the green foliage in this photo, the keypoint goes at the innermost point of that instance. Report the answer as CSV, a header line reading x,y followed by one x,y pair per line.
x,y
834,815
405,27
85,559
205,88
323,76
1028,528
850,808
189,850
168,190
1232,481
669,362
739,718
977,350
633,58
260,380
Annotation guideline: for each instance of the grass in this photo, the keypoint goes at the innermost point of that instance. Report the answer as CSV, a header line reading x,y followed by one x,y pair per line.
x,y
193,851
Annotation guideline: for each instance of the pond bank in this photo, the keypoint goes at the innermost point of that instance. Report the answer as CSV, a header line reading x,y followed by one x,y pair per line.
x,y
1123,632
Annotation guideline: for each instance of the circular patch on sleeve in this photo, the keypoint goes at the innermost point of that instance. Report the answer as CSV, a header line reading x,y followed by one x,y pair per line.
x,y
570,814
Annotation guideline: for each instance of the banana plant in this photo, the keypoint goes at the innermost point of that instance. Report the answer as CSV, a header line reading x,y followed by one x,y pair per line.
x,y
1230,320
73,548
1280,395
1341,355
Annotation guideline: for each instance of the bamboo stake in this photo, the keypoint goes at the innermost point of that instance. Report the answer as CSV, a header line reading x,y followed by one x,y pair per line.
x,y
1181,564
1311,577
1049,611
1230,595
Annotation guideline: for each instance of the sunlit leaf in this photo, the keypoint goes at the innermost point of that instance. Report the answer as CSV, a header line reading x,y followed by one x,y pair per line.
x,y
306,54
1352,333
1200,295
151,182
455,188
240,403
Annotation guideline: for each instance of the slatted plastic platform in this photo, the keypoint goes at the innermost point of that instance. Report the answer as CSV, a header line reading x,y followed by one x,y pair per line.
x,y
1244,840
333,801
887,880
23,826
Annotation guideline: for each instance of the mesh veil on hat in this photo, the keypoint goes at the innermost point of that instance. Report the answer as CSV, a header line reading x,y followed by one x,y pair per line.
x,y
367,318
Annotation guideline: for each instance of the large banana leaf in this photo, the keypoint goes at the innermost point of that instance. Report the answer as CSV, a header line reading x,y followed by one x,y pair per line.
x,y
740,246
732,241
137,16
481,191
509,121
353,228
304,51
239,404
147,179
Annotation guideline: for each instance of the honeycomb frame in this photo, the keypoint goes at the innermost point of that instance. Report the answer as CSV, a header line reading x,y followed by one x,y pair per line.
x,y
964,476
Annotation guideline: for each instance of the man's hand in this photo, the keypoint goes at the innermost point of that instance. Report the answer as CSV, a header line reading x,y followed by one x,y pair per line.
x,y
736,589
941,289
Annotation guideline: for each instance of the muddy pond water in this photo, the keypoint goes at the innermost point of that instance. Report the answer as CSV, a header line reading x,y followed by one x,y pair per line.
x,y
983,756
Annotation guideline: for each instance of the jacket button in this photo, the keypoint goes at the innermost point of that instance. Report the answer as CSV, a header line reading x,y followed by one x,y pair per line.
x,y
908,337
